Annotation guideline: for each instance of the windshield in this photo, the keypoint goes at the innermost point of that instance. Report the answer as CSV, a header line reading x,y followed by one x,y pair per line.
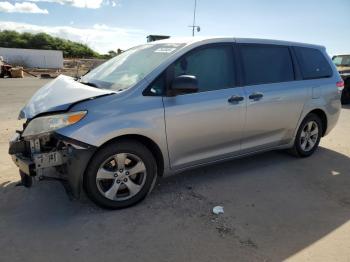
x,y
128,68
342,60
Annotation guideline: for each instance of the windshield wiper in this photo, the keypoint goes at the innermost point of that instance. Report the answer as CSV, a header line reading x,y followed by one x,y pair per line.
x,y
90,84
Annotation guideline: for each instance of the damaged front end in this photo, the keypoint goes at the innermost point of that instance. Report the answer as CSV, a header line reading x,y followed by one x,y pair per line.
x,y
38,150
41,154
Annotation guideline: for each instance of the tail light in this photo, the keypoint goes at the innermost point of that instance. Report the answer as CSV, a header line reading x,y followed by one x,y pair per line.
x,y
340,86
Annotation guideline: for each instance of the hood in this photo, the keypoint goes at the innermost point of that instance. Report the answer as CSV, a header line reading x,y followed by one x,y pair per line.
x,y
59,95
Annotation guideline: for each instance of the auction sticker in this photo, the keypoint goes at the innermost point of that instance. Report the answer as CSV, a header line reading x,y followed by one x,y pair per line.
x,y
165,50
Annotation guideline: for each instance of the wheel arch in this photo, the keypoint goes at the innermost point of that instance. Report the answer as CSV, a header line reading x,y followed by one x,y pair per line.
x,y
322,115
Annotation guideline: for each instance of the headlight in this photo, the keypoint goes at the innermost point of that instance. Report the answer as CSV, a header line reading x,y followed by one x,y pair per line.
x,y
46,124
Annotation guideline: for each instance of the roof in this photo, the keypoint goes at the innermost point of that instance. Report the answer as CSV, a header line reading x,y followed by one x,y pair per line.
x,y
192,40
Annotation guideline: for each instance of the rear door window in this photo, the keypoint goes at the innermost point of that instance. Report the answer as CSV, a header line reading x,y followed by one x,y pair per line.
x,y
312,62
263,64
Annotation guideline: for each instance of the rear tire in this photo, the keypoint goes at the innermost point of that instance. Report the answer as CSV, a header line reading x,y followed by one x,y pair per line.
x,y
308,136
345,97
120,175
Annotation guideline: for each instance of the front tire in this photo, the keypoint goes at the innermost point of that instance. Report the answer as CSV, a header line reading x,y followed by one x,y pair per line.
x,y
120,175
308,136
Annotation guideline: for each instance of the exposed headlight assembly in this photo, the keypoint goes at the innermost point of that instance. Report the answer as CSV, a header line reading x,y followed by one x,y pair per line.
x,y
47,124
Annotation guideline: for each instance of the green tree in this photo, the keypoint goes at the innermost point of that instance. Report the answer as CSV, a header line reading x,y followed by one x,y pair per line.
x,y
112,53
72,49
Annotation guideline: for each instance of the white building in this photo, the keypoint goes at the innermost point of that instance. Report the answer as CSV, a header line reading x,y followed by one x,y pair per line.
x,y
33,58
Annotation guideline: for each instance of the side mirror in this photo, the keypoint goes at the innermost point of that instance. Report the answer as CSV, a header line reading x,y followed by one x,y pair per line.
x,y
184,84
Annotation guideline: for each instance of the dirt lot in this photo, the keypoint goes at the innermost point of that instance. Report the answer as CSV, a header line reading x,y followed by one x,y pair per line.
x,y
276,208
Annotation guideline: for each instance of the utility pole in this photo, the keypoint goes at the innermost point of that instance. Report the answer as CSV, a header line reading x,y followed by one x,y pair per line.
x,y
194,26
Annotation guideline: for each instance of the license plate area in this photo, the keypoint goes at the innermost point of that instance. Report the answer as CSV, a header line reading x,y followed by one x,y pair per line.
x,y
50,159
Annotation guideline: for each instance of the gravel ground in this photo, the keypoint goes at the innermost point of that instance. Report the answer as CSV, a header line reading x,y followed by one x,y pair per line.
x,y
277,208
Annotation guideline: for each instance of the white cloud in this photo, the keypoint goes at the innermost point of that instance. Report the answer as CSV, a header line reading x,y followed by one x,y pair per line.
x,y
99,37
24,7
94,4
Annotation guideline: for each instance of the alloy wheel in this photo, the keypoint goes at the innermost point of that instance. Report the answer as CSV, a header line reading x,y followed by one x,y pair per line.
x,y
121,176
309,136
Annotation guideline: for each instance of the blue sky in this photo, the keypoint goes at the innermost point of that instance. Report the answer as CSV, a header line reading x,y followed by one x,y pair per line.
x,y
112,24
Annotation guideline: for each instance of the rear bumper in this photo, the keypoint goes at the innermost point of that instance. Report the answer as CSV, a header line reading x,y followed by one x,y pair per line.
x,y
67,163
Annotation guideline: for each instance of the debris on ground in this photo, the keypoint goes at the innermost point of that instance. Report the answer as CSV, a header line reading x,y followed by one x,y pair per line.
x,y
218,210
46,76
17,72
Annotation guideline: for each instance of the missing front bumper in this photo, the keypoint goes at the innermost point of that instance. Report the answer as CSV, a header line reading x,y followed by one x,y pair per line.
x,y
66,162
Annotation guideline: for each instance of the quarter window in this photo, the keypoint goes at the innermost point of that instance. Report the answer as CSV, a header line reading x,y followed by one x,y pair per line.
x,y
157,87
313,63
263,64
212,66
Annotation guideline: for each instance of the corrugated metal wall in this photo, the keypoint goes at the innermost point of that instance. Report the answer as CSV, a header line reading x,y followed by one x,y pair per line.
x,y
32,58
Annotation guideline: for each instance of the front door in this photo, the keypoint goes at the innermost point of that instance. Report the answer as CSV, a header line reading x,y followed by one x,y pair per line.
x,y
207,125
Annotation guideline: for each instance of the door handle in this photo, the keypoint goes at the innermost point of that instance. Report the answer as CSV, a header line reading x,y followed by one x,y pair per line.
x,y
235,99
256,96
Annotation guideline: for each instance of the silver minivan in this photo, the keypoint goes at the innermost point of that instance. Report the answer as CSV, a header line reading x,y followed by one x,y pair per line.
x,y
175,104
